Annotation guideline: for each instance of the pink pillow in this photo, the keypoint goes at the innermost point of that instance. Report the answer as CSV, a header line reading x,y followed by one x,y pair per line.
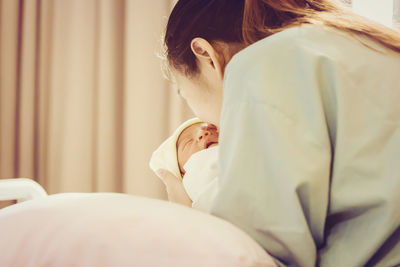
x,y
120,230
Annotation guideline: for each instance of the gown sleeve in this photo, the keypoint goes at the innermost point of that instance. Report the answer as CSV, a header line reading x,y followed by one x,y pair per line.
x,y
275,152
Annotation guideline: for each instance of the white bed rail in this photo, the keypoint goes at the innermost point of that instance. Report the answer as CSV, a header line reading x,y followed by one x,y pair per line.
x,y
20,189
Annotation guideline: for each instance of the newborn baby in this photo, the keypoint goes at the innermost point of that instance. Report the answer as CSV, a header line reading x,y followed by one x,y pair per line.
x,y
191,154
196,137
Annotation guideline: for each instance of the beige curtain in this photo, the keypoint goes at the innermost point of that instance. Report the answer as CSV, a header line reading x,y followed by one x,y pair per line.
x,y
83,102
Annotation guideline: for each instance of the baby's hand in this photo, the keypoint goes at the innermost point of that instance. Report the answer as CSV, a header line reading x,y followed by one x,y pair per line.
x,y
176,191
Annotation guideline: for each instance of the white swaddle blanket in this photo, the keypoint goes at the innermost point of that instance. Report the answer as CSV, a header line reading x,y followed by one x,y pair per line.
x,y
200,180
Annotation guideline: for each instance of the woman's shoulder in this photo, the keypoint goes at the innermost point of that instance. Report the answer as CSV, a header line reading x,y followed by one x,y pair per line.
x,y
305,44
295,38
272,50
275,51
286,61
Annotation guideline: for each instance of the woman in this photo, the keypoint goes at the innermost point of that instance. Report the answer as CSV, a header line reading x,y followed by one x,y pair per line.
x,y
305,94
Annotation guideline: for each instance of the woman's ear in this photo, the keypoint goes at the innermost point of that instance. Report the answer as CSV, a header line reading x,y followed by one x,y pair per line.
x,y
208,56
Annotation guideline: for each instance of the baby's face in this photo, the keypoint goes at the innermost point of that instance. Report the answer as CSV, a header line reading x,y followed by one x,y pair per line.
x,y
193,139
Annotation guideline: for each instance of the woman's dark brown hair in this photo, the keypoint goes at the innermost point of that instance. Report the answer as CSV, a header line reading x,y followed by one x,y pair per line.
x,y
209,19
247,21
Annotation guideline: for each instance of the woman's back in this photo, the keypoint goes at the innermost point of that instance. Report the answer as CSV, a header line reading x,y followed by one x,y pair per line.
x,y
322,110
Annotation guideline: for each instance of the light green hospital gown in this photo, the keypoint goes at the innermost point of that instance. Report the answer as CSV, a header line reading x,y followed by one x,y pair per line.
x,y
310,148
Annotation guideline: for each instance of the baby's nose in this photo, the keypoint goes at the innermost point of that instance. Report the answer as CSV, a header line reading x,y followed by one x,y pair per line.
x,y
202,133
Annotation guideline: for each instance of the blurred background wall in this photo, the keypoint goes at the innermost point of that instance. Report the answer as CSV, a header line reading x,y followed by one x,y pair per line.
x,y
83,102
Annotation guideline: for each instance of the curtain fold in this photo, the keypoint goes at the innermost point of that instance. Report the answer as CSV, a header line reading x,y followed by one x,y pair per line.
x,y
83,102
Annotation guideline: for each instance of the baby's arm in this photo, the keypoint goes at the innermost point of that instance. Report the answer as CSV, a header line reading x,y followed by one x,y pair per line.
x,y
176,191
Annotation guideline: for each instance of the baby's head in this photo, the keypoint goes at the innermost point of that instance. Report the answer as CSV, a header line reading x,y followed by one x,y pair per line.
x,y
190,137
193,139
